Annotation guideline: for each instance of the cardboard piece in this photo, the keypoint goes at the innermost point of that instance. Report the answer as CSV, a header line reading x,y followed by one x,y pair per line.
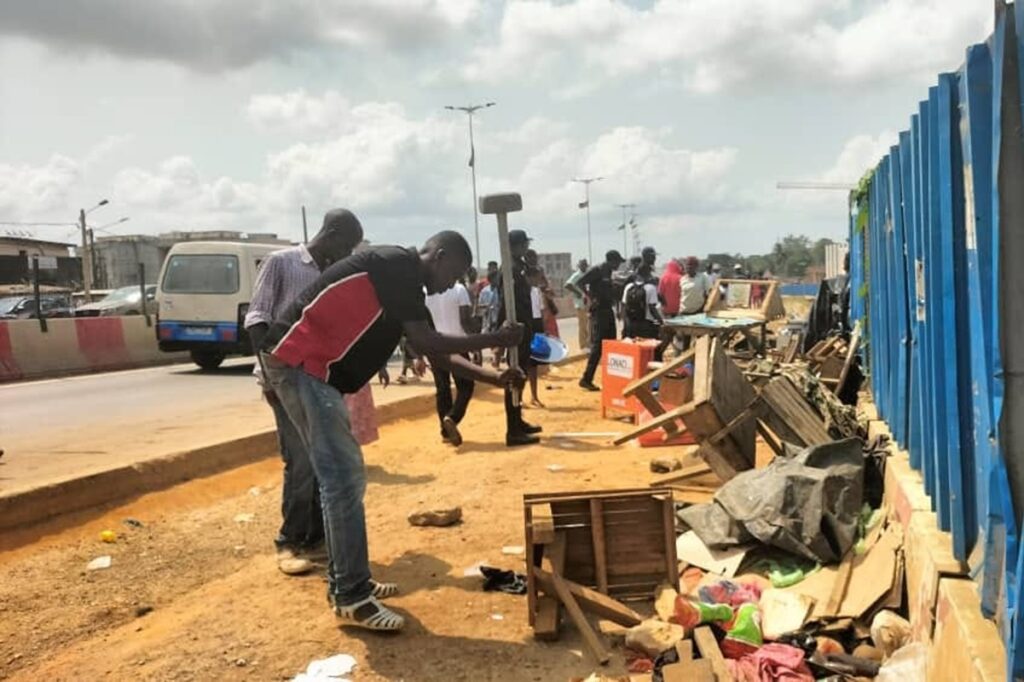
x,y
783,612
724,562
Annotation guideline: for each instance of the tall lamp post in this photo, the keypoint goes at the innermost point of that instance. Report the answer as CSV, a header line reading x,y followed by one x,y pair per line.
x,y
586,204
469,110
623,226
86,253
99,275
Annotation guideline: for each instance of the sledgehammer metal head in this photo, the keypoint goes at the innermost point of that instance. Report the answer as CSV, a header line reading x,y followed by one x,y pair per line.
x,y
509,202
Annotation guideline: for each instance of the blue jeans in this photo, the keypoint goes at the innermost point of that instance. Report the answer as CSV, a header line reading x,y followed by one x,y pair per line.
x,y
320,417
302,520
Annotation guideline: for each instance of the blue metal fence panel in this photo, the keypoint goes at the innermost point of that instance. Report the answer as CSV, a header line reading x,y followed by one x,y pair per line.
x,y
936,216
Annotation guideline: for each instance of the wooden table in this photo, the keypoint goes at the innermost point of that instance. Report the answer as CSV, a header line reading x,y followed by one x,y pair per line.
x,y
702,324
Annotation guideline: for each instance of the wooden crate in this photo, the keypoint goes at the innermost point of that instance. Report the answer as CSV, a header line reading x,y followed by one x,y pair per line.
x,y
621,543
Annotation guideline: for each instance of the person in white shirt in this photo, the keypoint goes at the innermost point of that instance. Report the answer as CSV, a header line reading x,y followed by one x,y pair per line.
x,y
693,287
452,312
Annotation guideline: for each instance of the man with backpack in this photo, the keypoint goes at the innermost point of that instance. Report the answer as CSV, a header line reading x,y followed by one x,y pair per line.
x,y
640,303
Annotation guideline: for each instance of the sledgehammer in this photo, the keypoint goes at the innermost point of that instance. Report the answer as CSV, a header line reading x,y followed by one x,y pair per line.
x,y
501,205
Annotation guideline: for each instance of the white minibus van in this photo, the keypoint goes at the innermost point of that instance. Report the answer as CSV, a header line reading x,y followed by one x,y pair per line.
x,y
203,296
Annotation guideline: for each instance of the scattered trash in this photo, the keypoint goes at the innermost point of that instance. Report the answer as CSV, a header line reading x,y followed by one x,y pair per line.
x,y
729,592
554,468
725,562
241,663
141,611
244,518
497,616
807,503
868,652
134,523
436,517
664,465
653,636
255,491
500,580
783,612
665,601
108,536
690,614
99,563
909,664
772,662
328,669
889,632
586,434
743,633
513,550
828,646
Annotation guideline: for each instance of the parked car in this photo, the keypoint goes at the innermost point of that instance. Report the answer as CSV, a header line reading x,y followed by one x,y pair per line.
x,y
123,301
24,307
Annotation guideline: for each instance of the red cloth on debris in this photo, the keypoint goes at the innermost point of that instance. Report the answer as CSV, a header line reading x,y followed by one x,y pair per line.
x,y
772,663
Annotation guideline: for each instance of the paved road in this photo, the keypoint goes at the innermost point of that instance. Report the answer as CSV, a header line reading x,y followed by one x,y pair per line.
x,y
60,427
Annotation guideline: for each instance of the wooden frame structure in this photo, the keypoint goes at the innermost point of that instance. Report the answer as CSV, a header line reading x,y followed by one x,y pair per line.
x,y
585,551
771,307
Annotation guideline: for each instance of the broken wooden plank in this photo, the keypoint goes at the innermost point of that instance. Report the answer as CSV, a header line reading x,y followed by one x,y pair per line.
x,y
835,599
549,613
688,671
590,600
657,423
680,475
600,552
708,647
650,377
579,619
543,524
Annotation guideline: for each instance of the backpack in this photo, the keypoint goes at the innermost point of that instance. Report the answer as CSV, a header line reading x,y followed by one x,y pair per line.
x,y
636,302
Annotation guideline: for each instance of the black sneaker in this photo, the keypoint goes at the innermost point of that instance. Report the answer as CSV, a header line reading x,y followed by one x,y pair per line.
x,y
530,428
516,439
589,386
451,431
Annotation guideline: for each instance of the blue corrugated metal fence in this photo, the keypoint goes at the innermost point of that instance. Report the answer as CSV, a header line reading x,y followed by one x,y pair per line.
x,y
934,257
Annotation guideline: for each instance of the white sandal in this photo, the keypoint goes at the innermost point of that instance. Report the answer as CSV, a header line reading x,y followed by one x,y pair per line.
x,y
383,590
371,615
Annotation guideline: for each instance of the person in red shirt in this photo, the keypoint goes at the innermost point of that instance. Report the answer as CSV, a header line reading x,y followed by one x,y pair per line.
x,y
669,293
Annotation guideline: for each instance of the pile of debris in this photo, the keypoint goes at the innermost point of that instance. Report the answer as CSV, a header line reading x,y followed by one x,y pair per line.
x,y
785,569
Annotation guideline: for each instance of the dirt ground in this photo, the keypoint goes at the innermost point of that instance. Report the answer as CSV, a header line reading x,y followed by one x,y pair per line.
x,y
194,592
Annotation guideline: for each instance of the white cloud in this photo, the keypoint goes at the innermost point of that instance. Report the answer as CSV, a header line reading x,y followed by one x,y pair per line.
x,y
860,154
28,190
225,34
711,45
176,188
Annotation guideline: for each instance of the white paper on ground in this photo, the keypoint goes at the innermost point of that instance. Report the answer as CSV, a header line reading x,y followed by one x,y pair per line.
x,y
474,570
99,563
724,562
328,669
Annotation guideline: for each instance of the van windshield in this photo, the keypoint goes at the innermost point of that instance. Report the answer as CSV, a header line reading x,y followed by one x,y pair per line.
x,y
201,274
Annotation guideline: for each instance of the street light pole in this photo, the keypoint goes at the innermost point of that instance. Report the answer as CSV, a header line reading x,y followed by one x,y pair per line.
x,y
625,247
86,252
471,109
586,204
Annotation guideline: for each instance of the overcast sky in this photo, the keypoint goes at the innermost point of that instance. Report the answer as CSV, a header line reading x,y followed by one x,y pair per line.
x,y
233,113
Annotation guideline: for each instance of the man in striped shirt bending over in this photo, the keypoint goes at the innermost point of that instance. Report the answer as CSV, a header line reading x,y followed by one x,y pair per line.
x,y
330,342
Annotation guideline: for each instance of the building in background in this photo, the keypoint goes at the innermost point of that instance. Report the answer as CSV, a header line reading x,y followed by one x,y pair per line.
x,y
59,267
558,267
116,259
835,256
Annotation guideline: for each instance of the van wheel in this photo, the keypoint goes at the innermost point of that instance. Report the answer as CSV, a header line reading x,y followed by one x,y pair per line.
x,y
207,360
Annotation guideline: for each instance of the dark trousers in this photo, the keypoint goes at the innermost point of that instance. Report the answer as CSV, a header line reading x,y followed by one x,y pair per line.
x,y
645,329
446,407
302,520
602,326
514,413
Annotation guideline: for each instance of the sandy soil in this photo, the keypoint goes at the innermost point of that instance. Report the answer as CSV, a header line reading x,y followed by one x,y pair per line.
x,y
194,594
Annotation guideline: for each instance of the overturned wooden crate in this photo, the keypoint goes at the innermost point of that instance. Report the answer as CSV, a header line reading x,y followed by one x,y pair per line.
x,y
587,551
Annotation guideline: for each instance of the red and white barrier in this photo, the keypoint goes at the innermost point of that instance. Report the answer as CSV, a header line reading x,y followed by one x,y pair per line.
x,y
76,345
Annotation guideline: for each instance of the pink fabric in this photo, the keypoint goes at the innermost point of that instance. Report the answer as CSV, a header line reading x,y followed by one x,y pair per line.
x,y
668,288
362,415
729,592
772,663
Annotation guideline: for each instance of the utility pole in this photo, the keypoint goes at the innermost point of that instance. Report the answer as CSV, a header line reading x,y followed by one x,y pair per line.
x,y
625,248
469,110
305,233
86,251
586,204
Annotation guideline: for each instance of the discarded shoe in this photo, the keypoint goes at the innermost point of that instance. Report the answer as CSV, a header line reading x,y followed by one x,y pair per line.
x,y
516,439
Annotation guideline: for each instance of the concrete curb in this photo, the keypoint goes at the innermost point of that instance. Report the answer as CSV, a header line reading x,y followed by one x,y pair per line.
x,y
21,509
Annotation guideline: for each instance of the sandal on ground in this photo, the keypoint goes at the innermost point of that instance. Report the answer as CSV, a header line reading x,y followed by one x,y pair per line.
x,y
383,590
370,614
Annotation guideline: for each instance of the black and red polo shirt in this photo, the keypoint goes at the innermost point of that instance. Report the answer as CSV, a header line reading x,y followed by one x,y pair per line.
x,y
345,327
